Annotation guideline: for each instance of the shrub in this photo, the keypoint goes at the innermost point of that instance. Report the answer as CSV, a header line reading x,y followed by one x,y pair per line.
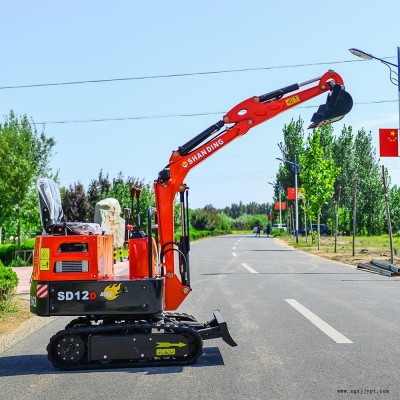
x,y
17,262
206,218
7,251
8,286
277,232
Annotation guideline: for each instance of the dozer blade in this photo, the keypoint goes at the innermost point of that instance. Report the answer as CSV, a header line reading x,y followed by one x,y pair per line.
x,y
217,328
338,104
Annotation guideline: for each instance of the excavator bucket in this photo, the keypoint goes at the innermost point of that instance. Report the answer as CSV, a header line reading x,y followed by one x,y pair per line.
x,y
338,104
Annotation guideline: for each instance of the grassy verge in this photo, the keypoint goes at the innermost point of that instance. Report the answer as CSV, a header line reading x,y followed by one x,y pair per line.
x,y
364,249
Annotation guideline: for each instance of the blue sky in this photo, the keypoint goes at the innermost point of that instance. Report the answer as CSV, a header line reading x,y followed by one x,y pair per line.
x,y
46,42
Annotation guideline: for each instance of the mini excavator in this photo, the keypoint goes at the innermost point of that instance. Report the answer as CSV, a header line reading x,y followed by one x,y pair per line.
x,y
131,320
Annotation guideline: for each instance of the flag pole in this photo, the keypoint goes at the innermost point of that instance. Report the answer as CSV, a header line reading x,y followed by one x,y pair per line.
x,y
398,82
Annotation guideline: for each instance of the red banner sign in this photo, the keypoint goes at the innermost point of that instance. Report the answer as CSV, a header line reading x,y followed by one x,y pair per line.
x,y
282,207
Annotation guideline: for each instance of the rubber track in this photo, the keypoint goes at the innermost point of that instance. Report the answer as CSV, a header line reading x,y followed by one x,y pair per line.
x,y
121,328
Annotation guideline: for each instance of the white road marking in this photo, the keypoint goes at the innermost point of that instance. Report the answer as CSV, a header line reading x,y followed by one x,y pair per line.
x,y
318,322
233,248
234,254
253,271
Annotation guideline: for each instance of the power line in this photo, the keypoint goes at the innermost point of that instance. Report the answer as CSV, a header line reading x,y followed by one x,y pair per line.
x,y
177,75
81,121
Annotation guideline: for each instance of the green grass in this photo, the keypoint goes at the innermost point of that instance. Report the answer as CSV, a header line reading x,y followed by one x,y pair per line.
x,y
369,245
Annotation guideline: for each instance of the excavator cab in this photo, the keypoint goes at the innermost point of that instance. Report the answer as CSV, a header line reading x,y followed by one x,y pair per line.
x,y
338,104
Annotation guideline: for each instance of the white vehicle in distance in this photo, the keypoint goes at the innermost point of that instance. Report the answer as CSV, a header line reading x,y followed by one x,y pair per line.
x,y
282,227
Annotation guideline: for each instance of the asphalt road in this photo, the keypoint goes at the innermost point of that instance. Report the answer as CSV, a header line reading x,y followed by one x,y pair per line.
x,y
306,328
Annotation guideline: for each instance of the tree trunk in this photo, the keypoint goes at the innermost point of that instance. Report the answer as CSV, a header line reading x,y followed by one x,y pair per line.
x,y
19,230
354,215
385,192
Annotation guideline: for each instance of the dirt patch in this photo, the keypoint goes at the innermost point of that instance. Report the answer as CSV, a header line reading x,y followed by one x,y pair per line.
x,y
12,320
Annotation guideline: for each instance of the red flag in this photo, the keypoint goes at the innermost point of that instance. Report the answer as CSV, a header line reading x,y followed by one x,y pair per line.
x,y
389,142
282,207
291,193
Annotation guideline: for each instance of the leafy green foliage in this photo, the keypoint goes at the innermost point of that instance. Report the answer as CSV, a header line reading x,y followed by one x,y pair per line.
x,y
291,147
24,155
17,262
225,222
359,178
236,210
248,222
196,235
318,174
8,285
206,218
7,251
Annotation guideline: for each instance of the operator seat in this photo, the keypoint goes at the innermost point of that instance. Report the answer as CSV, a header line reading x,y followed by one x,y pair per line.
x,y
52,215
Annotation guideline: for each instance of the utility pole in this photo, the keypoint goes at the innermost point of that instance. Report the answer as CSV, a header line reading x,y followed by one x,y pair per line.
x,y
337,216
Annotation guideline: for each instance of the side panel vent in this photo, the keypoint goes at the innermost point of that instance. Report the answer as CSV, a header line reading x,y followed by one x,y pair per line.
x,y
72,266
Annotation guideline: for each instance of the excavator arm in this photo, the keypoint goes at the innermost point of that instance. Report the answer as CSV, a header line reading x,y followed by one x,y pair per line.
x,y
235,123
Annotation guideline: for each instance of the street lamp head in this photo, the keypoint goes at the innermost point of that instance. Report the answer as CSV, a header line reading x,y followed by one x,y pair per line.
x,y
367,56
361,54
289,162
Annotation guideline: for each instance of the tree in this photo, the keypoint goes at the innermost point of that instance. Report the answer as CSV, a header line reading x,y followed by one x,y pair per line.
x,y
318,174
253,208
343,153
293,136
24,156
98,189
206,218
370,200
75,203
359,171
394,201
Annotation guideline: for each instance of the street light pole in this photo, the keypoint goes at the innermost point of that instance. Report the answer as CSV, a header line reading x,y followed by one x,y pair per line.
x,y
280,203
295,166
367,56
296,170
